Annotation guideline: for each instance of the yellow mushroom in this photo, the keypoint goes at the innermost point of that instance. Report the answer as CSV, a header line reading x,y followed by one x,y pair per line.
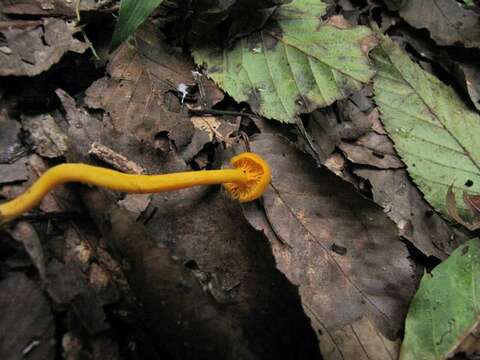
x,y
245,182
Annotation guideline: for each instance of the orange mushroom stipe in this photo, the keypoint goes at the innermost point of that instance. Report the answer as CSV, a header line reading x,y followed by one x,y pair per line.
x,y
245,182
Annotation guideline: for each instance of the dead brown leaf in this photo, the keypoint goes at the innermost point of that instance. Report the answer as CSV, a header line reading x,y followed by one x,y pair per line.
x,y
204,280
14,172
415,219
10,145
140,93
27,325
47,137
359,134
33,46
339,249
448,22
473,203
48,7
372,149
464,70
204,277
26,234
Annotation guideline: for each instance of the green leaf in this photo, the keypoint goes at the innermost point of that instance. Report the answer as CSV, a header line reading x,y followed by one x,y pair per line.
x,y
294,65
132,14
434,132
446,307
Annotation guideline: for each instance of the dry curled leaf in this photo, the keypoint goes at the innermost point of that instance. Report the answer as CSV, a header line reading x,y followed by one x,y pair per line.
x,y
471,201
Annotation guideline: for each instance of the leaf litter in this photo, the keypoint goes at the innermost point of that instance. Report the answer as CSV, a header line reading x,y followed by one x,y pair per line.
x,y
189,274
317,220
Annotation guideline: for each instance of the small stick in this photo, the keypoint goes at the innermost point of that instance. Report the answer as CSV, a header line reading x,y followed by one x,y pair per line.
x,y
116,160
65,215
220,112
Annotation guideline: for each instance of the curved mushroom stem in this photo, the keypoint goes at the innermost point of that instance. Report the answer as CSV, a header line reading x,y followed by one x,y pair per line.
x,y
114,180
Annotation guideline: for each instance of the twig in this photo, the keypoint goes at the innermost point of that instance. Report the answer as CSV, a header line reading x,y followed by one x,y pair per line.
x,y
89,43
61,215
201,112
77,10
118,161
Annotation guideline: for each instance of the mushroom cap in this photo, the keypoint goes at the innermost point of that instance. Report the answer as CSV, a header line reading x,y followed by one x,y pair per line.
x,y
258,173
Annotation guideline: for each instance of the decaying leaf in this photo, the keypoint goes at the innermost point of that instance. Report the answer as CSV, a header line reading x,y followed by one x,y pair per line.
x,y
68,286
10,145
463,68
27,326
469,75
296,64
323,131
444,315
339,249
210,129
448,21
26,234
395,4
14,172
360,136
200,22
49,7
372,149
190,247
472,202
434,132
140,92
33,46
47,137
415,219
